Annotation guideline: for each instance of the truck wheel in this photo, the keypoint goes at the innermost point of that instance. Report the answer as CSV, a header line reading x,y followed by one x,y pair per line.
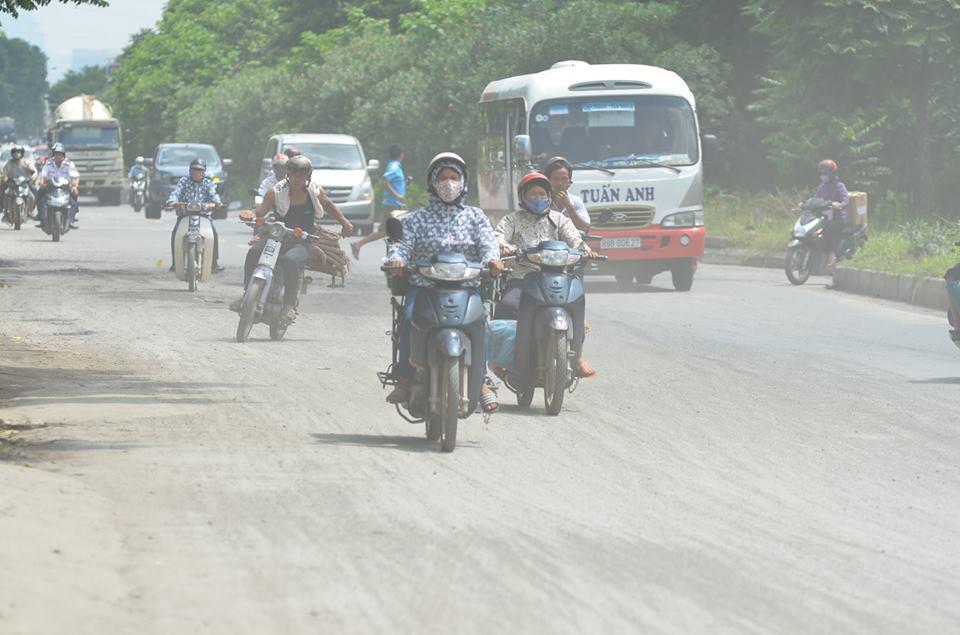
x,y
682,274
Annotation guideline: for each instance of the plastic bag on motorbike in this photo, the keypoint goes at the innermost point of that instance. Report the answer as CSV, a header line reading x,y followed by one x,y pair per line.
x,y
502,343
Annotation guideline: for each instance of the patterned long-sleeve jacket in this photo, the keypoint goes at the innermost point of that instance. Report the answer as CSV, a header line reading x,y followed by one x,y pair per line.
x,y
440,228
190,191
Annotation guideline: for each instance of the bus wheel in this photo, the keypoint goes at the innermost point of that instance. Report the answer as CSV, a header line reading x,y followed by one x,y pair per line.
x,y
682,273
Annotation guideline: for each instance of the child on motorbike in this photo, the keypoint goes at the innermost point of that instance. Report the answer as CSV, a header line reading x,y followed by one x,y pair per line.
x,y
532,224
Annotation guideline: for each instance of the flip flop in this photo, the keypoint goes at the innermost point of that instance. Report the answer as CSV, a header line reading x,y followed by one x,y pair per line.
x,y
355,249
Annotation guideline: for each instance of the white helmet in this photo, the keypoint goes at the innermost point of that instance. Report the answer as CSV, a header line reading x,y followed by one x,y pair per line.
x,y
138,160
447,160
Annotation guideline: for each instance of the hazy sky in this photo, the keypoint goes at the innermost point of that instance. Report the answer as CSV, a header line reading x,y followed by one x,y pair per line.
x,y
59,29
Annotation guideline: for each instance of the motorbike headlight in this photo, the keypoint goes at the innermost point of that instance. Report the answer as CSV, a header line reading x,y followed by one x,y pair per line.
x,y
449,271
554,257
276,231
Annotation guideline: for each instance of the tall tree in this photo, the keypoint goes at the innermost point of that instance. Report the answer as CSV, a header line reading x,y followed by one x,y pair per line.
x,y
23,80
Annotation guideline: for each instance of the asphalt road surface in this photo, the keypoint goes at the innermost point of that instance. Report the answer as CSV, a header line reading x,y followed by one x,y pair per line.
x,y
753,457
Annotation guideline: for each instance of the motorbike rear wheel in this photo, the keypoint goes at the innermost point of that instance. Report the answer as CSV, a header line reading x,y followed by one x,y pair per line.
x,y
797,265
524,399
277,332
56,224
557,375
192,270
450,404
248,310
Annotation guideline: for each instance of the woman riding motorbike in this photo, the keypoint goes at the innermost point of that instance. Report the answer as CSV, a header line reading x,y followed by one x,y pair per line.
x,y
297,202
445,225
532,224
833,190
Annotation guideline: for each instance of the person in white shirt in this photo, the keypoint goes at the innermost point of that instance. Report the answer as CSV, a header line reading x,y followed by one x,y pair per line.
x,y
560,173
59,167
274,176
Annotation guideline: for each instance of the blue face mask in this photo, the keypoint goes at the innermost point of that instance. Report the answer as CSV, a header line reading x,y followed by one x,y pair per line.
x,y
538,206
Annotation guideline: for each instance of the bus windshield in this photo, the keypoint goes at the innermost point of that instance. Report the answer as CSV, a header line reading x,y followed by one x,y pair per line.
x,y
615,131
90,137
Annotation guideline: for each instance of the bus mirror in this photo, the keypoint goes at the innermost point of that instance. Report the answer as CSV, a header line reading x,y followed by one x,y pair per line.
x,y
521,147
710,144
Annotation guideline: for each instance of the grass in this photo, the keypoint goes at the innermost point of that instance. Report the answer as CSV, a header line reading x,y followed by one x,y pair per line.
x,y
761,223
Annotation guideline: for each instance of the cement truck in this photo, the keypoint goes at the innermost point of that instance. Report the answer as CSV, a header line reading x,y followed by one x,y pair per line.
x,y
92,138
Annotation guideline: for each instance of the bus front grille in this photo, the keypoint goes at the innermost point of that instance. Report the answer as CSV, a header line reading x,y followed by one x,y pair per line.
x,y
621,218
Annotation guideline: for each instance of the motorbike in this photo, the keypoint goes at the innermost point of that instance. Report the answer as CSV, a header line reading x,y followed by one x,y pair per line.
x,y
263,297
447,344
808,250
550,324
193,244
138,192
17,201
56,220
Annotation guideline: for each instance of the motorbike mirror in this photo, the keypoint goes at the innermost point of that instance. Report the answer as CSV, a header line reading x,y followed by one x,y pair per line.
x,y
521,147
394,230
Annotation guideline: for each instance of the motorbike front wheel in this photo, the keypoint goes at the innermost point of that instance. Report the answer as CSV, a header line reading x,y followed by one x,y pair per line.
x,y
56,224
192,269
18,213
797,265
557,375
450,404
248,310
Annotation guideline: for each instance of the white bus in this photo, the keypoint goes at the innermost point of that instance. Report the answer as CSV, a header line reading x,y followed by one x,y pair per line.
x,y
632,134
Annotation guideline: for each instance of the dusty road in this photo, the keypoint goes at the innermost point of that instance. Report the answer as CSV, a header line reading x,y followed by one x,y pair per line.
x,y
753,458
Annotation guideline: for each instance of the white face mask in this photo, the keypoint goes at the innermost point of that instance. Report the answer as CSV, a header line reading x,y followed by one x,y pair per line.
x,y
448,190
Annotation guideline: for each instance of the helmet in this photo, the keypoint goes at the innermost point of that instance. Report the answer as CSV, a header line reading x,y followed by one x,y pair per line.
x,y
299,163
16,152
57,147
534,178
138,160
198,164
41,160
827,166
292,152
446,160
280,161
556,163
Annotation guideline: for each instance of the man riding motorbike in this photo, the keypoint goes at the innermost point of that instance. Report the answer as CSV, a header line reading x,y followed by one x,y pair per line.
x,y
14,168
560,173
297,202
137,170
833,190
196,188
59,167
445,225
532,224
275,175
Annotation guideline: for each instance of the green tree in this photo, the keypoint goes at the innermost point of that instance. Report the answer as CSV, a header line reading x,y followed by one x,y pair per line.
x,y
90,80
14,7
23,80
887,69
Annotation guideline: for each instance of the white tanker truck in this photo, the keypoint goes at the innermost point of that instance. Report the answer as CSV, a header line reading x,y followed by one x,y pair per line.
x,y
92,138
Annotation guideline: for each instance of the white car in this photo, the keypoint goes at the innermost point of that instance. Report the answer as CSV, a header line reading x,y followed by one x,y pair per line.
x,y
339,166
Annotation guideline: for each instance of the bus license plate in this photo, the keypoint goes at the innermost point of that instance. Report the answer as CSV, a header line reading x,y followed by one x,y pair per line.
x,y
620,243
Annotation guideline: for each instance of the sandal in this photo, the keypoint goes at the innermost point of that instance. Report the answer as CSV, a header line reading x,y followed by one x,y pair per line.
x,y
355,249
488,400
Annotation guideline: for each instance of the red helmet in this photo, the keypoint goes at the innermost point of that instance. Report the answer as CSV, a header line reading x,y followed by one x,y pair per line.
x,y
534,178
827,166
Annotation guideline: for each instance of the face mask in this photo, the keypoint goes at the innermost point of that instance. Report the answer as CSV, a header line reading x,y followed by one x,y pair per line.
x,y
537,205
448,190
824,178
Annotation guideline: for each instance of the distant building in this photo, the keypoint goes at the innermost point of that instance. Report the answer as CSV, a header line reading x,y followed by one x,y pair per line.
x,y
91,57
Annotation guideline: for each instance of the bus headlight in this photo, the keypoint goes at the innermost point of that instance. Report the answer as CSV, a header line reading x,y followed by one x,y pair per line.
x,y
683,219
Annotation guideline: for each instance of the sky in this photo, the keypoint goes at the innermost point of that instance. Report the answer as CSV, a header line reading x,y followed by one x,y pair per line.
x,y
61,29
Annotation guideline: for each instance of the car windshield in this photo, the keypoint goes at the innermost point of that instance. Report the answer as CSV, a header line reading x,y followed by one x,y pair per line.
x,y
90,137
182,156
616,132
332,156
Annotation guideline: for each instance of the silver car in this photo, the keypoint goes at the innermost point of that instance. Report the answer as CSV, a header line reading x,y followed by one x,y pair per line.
x,y
339,166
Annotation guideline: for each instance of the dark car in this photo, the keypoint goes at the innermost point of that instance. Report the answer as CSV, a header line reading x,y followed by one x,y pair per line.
x,y
171,162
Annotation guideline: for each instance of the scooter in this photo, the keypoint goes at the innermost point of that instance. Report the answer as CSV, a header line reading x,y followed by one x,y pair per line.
x,y
138,192
808,250
263,298
56,219
447,340
550,324
16,201
192,260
